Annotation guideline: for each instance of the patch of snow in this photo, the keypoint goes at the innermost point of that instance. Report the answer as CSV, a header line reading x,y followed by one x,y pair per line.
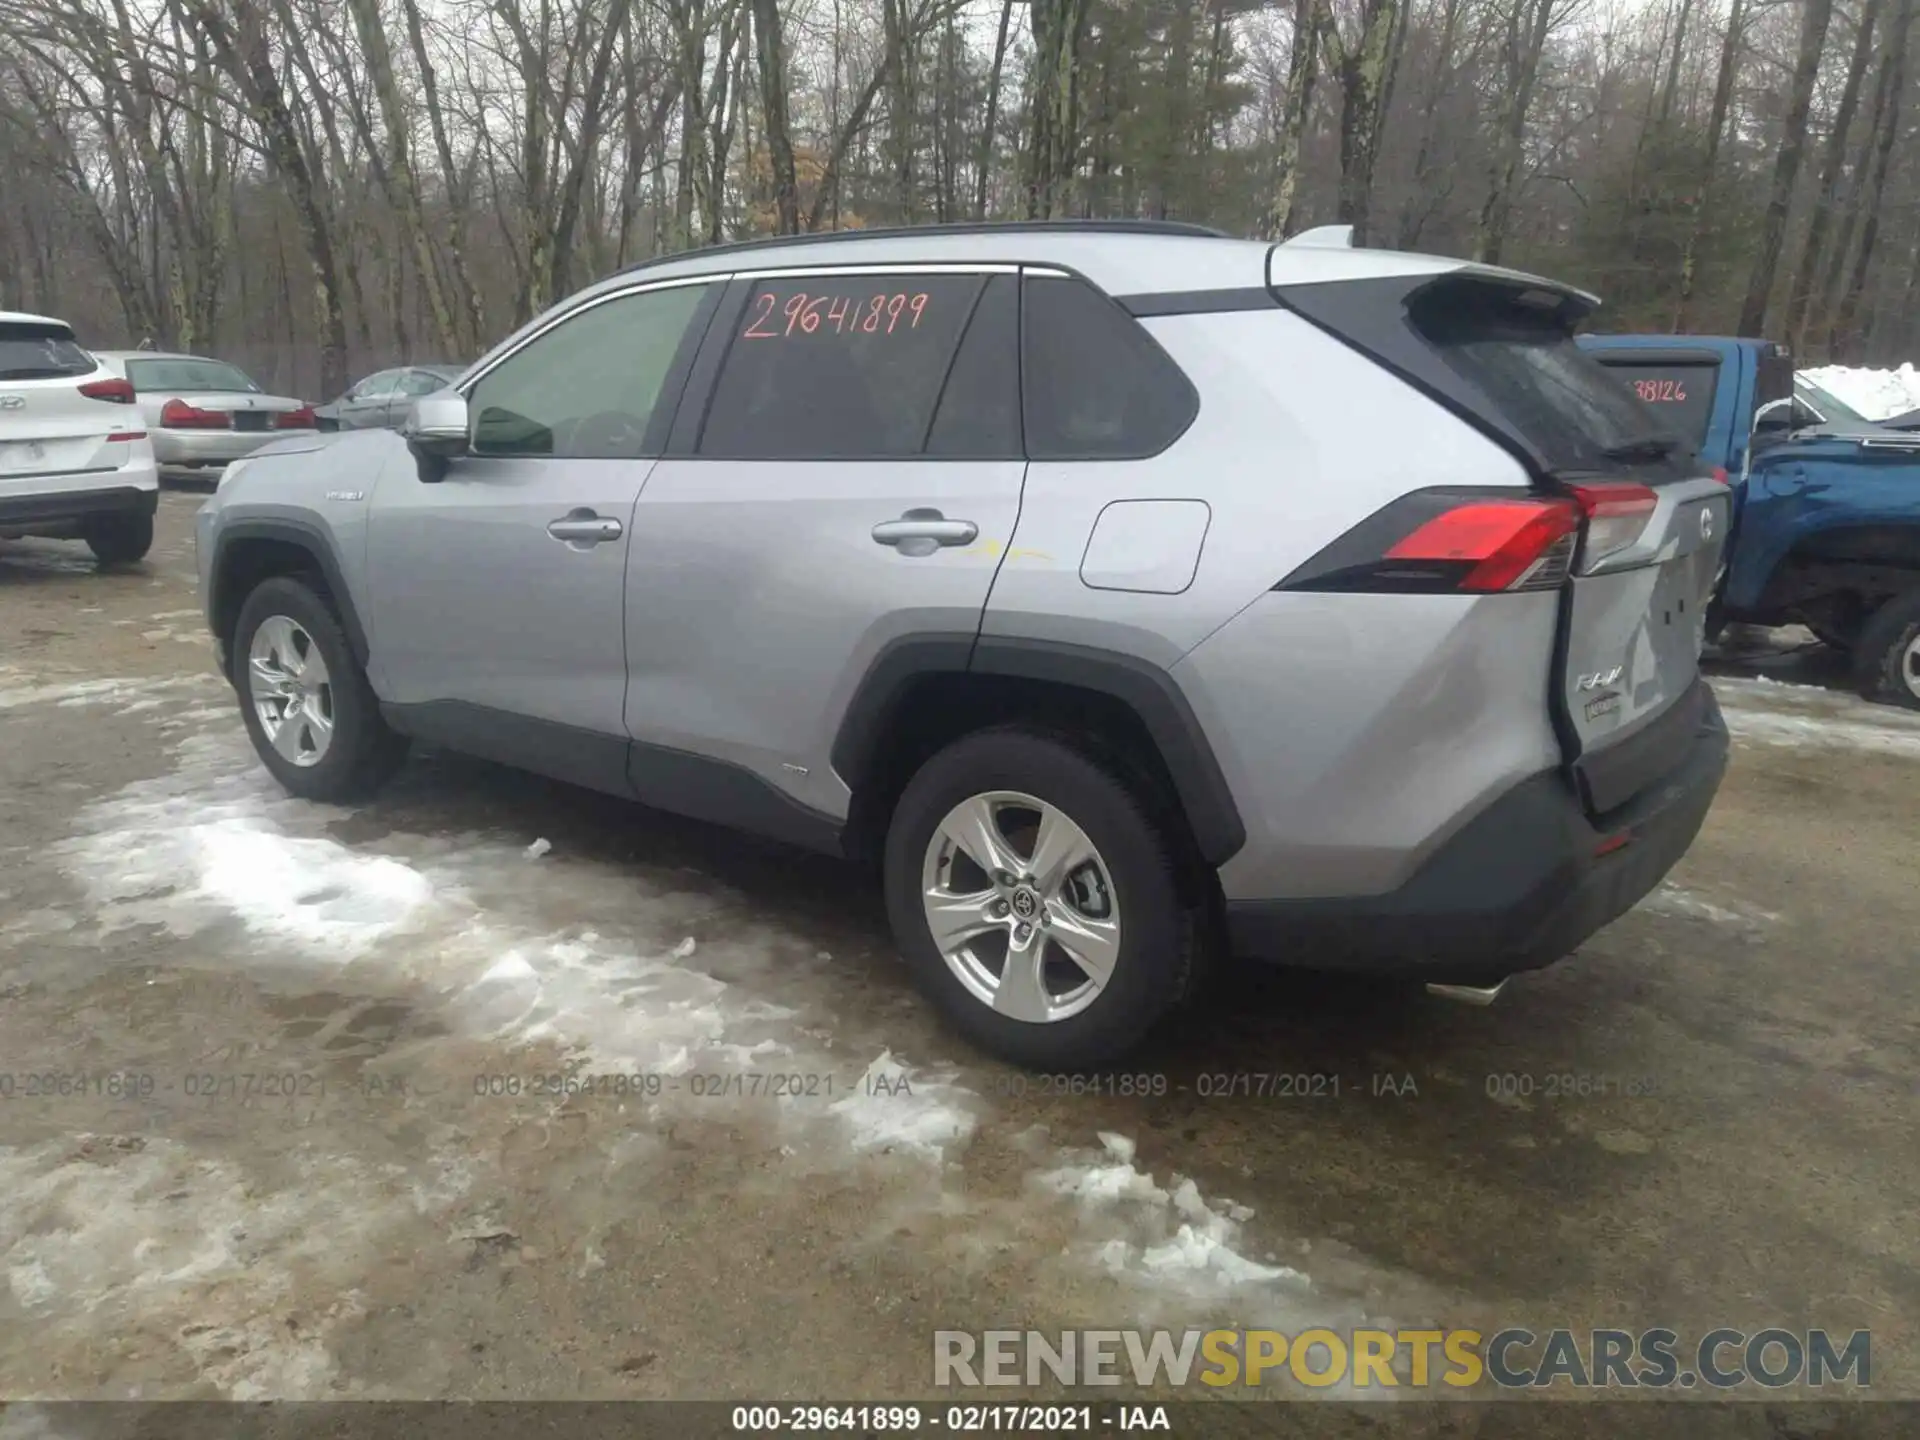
x,y
1671,899
1769,712
892,1108
19,688
539,848
1173,1239
1876,394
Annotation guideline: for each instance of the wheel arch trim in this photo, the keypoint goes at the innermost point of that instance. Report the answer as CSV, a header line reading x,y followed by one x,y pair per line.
x,y
304,535
1147,690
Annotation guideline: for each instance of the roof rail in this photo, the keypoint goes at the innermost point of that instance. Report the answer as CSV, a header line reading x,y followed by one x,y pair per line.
x,y
967,227
1322,237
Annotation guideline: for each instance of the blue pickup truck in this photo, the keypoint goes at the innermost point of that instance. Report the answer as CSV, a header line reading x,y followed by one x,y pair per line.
x,y
1826,503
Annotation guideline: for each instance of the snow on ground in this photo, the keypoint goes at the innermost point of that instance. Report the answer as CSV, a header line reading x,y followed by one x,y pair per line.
x,y
1169,1239
1671,899
1769,712
213,845
1876,394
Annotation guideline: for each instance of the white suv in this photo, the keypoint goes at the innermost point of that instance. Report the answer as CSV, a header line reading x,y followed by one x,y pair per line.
x,y
75,460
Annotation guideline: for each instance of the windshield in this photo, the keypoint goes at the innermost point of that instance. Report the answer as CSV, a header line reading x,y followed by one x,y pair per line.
x,y
178,376
40,352
1827,403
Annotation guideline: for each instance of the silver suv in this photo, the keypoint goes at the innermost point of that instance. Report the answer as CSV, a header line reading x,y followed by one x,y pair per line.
x,y
1116,591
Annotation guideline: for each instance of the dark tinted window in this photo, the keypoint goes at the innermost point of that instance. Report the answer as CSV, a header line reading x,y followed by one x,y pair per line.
x,y
979,415
1680,396
1096,384
827,367
40,352
1516,348
587,388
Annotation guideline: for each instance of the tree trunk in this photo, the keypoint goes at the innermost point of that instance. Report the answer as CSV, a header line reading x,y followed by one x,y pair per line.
x,y
1303,66
457,198
1892,82
243,52
1362,73
1716,128
1833,162
1414,220
993,111
404,188
1527,28
1815,18
773,108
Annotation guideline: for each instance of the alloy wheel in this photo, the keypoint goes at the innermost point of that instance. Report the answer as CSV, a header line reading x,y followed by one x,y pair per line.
x,y
1021,906
291,690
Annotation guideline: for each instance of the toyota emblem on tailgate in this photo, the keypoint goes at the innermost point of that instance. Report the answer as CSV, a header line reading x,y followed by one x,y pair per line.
x,y
13,402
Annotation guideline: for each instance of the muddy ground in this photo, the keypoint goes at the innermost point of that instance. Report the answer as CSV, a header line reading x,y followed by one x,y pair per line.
x,y
292,1164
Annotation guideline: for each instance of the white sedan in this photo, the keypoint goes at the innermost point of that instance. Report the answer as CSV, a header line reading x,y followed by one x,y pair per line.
x,y
202,413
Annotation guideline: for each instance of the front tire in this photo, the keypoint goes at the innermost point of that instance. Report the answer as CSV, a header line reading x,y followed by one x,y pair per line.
x,y
1887,654
120,539
312,717
1036,901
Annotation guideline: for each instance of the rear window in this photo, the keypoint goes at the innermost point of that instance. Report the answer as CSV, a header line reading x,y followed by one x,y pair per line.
x,y
1680,396
181,376
1501,355
31,351
1519,352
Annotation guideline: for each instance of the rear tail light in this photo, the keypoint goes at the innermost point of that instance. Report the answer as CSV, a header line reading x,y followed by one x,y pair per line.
x,y
301,419
1451,541
1720,474
179,415
126,437
1616,516
118,392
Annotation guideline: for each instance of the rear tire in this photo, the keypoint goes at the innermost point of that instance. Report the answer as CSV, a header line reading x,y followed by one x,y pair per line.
x,y
324,738
1887,654
120,539
1120,909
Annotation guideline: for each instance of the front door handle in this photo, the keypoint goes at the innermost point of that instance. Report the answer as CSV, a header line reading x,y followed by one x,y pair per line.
x,y
584,528
921,532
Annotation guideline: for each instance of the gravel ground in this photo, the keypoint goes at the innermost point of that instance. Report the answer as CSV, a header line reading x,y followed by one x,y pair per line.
x,y
327,1164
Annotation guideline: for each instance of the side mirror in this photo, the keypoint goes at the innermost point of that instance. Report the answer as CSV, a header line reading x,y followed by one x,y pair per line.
x,y
1772,422
436,431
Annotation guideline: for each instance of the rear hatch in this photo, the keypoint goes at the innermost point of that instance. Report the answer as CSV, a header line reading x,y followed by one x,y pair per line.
x,y
1498,350
47,426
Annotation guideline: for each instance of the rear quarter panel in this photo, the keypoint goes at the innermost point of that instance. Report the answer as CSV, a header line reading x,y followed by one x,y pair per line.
x,y
1356,731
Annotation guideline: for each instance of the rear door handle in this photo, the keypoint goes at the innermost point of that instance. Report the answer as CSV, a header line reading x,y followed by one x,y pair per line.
x,y
921,532
583,528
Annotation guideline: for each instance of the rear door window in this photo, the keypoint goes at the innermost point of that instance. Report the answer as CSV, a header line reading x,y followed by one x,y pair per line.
x,y
1096,385
979,414
1680,395
31,351
838,367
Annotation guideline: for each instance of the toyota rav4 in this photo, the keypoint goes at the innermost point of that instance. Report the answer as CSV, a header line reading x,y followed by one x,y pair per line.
x,y
1115,592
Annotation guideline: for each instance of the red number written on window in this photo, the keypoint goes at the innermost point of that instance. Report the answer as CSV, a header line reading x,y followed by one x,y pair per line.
x,y
1657,392
805,314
